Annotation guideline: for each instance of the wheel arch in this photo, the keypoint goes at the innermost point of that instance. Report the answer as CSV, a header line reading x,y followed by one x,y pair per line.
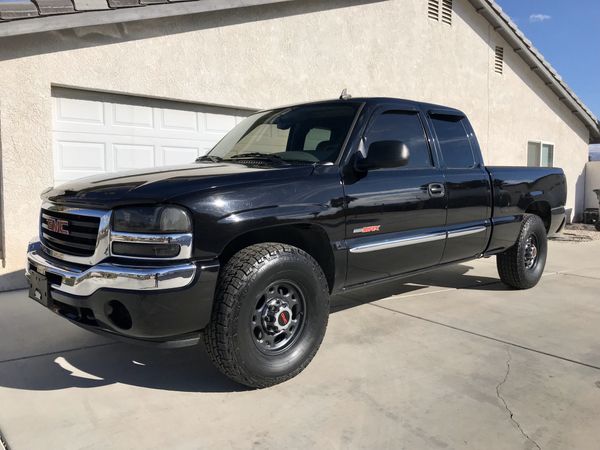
x,y
541,208
308,237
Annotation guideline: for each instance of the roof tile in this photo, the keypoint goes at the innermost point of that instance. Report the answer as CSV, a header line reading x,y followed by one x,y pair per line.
x,y
90,5
17,9
122,3
54,6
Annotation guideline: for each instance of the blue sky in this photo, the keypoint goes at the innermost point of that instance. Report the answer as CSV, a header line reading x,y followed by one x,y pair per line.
x,y
567,33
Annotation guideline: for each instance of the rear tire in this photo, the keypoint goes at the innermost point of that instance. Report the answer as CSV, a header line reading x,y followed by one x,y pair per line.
x,y
270,315
522,265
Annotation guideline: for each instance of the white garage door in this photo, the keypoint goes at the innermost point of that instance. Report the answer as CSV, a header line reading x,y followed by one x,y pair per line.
x,y
95,133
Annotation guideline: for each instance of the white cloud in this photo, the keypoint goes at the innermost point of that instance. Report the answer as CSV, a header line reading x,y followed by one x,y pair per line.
x,y
539,18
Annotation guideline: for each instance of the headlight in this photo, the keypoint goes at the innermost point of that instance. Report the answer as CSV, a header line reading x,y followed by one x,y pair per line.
x,y
144,219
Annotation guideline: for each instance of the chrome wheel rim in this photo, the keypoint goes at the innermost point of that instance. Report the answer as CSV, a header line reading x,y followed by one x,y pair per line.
x,y
531,252
278,316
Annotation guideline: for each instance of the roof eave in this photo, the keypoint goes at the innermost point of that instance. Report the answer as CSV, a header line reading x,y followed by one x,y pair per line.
x,y
525,49
120,15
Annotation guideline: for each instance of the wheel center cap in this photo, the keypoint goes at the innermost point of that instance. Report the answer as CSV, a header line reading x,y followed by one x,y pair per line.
x,y
277,316
284,319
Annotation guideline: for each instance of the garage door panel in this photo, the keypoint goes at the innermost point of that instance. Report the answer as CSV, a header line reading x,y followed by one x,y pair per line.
x,y
82,114
179,155
127,156
218,123
87,156
174,119
133,116
105,133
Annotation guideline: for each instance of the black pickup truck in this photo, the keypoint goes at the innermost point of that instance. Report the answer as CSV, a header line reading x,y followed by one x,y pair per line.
x,y
243,248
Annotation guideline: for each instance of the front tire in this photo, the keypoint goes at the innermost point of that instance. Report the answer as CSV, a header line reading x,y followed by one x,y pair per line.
x,y
522,265
270,315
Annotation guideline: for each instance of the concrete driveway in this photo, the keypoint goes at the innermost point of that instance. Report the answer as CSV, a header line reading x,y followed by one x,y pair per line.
x,y
451,359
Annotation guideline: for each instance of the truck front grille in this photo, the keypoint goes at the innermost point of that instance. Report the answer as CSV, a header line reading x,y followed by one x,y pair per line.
x,y
72,234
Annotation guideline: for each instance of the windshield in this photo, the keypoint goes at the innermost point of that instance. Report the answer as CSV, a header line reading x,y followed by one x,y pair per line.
x,y
311,133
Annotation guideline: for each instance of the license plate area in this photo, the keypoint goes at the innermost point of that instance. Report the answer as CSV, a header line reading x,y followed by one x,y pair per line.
x,y
39,289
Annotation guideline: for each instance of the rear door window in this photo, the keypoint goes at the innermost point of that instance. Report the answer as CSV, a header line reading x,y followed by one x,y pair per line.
x,y
454,142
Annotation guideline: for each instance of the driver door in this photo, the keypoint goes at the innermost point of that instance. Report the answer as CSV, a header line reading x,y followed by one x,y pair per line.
x,y
395,217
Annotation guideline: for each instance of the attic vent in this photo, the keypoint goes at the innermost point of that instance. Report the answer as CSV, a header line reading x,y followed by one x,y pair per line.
x,y
499,60
433,9
447,11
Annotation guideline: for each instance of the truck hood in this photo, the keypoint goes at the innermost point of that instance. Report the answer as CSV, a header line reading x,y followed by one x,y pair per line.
x,y
155,185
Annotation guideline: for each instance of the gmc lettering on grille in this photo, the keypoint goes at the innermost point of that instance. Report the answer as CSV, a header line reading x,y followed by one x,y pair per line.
x,y
57,225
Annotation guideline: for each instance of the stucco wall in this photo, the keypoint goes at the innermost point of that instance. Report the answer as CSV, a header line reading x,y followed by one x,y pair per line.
x,y
266,56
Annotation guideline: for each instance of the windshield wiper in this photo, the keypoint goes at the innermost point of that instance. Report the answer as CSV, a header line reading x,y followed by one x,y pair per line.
x,y
255,155
259,156
209,158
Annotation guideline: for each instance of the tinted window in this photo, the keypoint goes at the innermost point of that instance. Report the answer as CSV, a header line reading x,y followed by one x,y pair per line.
x,y
306,133
315,137
454,141
405,127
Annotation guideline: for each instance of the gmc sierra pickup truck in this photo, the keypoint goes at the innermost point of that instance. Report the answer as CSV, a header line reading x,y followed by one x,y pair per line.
x,y
242,249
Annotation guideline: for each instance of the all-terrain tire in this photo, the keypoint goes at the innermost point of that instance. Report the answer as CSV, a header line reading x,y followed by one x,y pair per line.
x,y
231,339
522,265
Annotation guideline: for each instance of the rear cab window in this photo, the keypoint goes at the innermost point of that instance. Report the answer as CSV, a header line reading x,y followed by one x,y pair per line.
x,y
454,141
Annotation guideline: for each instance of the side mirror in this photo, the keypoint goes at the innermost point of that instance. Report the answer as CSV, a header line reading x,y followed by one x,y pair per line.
x,y
384,155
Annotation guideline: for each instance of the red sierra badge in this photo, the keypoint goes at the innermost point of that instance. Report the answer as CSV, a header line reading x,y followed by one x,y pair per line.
x,y
370,229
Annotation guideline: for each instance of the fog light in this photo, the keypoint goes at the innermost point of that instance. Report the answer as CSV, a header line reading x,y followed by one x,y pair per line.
x,y
145,250
118,314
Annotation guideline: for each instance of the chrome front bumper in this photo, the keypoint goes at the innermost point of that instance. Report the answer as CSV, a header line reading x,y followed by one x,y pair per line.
x,y
85,282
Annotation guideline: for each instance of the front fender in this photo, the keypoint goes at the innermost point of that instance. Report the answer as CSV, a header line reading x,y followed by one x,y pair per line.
x,y
222,215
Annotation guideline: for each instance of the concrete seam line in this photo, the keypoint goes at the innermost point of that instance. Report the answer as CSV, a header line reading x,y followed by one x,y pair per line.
x,y
502,341
23,358
567,274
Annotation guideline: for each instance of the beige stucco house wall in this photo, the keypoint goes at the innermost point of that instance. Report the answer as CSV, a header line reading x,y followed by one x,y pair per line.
x,y
271,55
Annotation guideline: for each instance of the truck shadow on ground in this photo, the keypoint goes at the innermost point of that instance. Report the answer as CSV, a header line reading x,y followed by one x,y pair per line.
x,y
185,369
450,277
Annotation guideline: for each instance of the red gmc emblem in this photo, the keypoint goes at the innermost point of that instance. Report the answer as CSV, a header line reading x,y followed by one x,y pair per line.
x,y
57,225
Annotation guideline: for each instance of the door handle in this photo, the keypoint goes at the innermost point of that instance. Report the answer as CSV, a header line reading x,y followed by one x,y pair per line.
x,y
436,190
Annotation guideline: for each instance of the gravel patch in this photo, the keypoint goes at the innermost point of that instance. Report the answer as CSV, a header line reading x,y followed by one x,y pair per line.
x,y
578,232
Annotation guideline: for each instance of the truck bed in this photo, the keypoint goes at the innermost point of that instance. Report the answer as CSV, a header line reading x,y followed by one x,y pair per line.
x,y
520,190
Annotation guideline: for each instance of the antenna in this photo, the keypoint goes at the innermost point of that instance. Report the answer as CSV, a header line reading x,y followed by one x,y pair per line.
x,y
345,95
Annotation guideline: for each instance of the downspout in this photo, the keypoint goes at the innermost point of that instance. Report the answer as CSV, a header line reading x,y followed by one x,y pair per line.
x,y
2,247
